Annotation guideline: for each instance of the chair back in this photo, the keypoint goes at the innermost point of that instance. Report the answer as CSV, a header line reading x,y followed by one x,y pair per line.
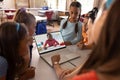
x,y
49,14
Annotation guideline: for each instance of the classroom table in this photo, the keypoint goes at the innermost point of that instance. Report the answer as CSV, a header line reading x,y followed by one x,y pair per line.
x,y
63,17
39,18
46,72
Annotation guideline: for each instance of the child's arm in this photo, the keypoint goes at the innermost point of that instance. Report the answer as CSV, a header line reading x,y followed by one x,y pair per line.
x,y
56,42
67,43
45,44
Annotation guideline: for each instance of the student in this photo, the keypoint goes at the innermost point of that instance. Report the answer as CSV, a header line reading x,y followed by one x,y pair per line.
x,y
14,53
50,41
103,63
88,20
84,31
71,27
29,20
67,74
95,29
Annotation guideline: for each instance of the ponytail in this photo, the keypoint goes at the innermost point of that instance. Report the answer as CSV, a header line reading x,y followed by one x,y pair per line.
x,y
65,24
76,25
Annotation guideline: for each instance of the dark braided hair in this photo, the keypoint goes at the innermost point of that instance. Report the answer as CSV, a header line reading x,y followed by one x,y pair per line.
x,y
92,14
78,5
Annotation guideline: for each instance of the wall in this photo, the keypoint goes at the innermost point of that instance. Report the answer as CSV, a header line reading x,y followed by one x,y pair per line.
x,y
98,3
38,3
33,3
8,4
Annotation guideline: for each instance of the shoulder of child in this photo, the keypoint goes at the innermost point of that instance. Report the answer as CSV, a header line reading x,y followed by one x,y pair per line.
x,y
64,20
79,22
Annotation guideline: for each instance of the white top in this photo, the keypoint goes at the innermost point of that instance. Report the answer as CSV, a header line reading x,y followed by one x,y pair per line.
x,y
69,33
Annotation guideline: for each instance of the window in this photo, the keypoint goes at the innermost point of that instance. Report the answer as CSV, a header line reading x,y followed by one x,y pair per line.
x,y
87,5
62,5
57,4
52,4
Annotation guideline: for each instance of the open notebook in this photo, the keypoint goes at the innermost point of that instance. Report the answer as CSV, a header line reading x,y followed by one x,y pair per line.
x,y
56,47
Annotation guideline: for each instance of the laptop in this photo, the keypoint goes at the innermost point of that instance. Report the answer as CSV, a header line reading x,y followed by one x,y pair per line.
x,y
47,50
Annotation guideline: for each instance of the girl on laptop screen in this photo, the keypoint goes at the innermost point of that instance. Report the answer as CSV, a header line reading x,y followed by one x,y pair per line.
x,y
50,41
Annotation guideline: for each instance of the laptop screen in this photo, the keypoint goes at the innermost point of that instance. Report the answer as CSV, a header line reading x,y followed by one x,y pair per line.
x,y
49,42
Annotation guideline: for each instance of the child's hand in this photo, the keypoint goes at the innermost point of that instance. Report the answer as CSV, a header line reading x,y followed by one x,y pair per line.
x,y
67,43
62,43
45,48
64,73
29,73
55,58
80,45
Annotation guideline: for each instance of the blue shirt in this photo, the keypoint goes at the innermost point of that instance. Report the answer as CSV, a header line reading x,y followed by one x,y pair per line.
x,y
69,33
3,66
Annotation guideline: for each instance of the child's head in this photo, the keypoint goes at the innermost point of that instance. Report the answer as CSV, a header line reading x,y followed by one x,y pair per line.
x,y
49,36
27,18
75,10
11,36
93,13
74,14
107,49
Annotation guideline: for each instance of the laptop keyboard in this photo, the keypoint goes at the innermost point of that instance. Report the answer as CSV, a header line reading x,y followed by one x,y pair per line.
x,y
64,54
